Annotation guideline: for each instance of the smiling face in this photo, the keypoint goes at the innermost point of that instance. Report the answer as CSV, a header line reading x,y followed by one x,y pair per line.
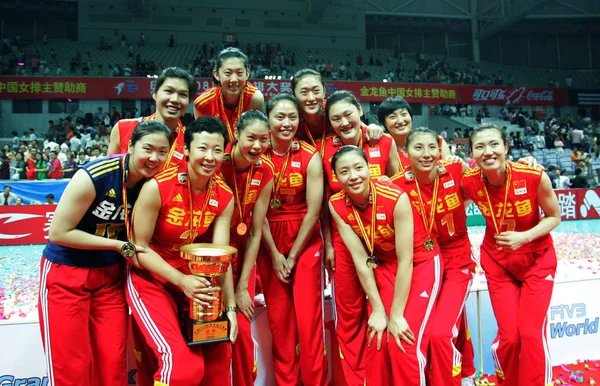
x,y
172,99
423,151
232,74
253,141
284,119
488,149
399,123
345,121
148,155
310,93
205,153
352,172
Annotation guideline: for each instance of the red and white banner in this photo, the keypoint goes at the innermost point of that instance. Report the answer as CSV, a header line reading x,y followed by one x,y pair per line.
x,y
140,88
579,204
25,224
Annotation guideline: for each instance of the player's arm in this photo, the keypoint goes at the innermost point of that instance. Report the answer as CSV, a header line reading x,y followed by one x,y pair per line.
x,y
314,200
392,165
77,198
257,102
114,145
445,149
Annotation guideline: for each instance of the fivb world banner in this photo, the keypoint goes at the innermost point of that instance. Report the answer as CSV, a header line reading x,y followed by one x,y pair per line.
x,y
140,88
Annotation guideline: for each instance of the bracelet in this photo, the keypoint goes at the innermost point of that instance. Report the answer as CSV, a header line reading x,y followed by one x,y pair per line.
x,y
231,308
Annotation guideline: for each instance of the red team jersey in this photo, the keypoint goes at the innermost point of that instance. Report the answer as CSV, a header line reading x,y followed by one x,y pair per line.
x,y
210,103
314,134
450,223
522,209
262,173
377,157
176,155
173,223
387,196
292,191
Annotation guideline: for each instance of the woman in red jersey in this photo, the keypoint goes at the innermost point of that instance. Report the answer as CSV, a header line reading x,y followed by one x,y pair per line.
x,y
290,262
310,90
250,175
344,111
517,255
176,208
399,270
434,188
396,115
233,95
82,306
172,92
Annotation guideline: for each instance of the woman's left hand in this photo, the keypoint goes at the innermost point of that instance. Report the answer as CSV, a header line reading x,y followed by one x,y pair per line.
x,y
399,329
512,240
244,303
233,326
531,162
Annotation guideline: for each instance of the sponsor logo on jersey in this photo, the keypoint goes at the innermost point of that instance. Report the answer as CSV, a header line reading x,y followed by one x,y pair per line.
x,y
177,198
111,193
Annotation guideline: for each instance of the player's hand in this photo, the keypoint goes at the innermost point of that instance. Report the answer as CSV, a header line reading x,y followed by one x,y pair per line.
x,y
330,260
281,268
451,158
233,326
399,329
198,289
512,240
374,134
291,263
244,303
531,162
377,324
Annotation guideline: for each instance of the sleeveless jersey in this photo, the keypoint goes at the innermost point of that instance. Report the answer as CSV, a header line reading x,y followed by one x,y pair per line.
x,y
176,154
105,217
522,208
292,191
314,134
173,223
377,157
450,221
211,103
262,173
387,196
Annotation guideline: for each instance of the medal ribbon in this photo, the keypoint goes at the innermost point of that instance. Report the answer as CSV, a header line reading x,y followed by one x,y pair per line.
x,y
429,221
279,178
497,227
369,239
193,231
236,113
124,196
241,208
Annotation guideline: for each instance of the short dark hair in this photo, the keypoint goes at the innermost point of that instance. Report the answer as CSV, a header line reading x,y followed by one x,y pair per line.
x,y
487,126
391,104
229,53
341,96
178,73
271,103
206,124
249,117
419,131
50,195
303,73
344,150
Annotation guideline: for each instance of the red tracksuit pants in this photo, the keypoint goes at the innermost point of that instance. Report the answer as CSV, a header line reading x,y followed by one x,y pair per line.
x,y
444,355
351,313
295,310
520,286
243,361
390,366
83,320
155,306
465,346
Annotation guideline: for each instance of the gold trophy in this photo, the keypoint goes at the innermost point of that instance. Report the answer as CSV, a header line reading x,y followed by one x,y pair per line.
x,y
207,324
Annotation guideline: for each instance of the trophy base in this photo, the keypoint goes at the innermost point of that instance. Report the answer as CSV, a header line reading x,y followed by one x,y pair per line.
x,y
199,333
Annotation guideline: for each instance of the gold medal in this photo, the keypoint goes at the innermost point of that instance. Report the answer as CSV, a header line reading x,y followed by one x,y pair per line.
x,y
429,244
275,203
372,262
242,229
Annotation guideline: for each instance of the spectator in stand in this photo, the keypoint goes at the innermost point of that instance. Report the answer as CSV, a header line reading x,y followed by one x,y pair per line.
x,y
32,136
18,201
16,141
70,167
54,166
31,173
41,167
75,142
444,134
4,167
115,116
580,181
18,167
552,174
49,199
7,198
562,180
576,137
539,141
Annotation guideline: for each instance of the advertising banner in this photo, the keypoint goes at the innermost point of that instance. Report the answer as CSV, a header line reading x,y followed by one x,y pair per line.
x,y
25,224
140,88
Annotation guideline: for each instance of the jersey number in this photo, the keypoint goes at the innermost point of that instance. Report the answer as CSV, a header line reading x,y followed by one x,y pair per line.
x,y
448,220
109,231
508,226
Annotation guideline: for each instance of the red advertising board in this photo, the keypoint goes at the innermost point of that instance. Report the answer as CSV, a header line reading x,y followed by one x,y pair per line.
x,y
579,204
25,224
140,88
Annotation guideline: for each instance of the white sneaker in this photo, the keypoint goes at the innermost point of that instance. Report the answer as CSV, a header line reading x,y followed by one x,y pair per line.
x,y
468,381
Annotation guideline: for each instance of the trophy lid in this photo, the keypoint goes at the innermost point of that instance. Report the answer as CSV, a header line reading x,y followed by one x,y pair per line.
x,y
207,252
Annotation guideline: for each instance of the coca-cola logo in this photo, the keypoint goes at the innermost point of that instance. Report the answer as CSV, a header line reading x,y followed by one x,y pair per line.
x,y
515,95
